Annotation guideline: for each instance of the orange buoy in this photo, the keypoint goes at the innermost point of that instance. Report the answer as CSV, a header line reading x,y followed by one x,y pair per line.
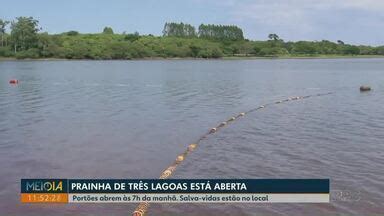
x,y
13,81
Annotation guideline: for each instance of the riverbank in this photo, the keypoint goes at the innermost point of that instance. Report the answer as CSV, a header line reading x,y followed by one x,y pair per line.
x,y
190,58
209,42
303,57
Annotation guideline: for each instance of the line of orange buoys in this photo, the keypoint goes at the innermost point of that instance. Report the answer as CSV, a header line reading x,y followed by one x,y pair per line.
x,y
142,208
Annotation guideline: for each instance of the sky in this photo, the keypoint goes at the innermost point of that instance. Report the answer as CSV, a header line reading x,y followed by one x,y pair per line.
x,y
352,21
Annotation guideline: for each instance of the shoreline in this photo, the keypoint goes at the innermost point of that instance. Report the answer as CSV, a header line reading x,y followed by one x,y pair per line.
x,y
191,58
307,57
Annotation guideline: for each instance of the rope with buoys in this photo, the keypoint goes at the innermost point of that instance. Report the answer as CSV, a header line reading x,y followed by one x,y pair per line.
x,y
142,208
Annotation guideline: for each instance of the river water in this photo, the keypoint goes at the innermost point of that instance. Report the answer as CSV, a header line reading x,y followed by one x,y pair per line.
x,y
130,119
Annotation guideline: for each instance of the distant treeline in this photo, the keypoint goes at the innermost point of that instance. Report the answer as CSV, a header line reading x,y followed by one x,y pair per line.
x,y
25,40
215,32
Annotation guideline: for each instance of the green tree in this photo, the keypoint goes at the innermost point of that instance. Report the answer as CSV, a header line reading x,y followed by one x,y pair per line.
x,y
72,33
379,50
220,32
326,47
273,51
108,30
304,47
179,30
47,45
132,37
274,37
3,24
24,33
350,50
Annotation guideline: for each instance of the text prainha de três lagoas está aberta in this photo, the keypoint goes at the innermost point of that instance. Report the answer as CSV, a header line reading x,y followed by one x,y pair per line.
x,y
144,186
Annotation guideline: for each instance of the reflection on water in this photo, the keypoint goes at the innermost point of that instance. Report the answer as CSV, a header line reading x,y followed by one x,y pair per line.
x,y
129,119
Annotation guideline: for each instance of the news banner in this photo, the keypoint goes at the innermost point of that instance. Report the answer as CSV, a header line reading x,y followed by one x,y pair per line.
x,y
175,190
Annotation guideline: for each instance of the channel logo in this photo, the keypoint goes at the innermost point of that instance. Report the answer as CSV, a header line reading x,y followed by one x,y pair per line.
x,y
44,191
43,186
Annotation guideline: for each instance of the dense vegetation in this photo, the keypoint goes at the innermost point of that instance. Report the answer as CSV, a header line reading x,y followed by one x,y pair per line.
x,y
25,40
